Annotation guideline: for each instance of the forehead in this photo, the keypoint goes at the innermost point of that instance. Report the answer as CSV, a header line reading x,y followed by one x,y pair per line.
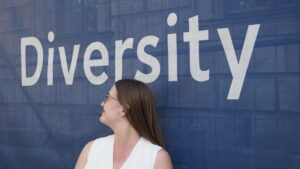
x,y
113,91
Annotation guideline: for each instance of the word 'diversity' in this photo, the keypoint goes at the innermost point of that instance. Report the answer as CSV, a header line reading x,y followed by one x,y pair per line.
x,y
238,67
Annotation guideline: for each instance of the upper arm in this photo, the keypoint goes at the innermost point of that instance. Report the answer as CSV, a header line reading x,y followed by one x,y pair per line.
x,y
163,160
82,159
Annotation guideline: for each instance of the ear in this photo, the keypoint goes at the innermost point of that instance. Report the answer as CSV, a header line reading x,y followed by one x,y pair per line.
x,y
124,110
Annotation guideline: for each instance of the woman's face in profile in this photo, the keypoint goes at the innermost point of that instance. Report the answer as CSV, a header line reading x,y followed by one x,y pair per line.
x,y
112,109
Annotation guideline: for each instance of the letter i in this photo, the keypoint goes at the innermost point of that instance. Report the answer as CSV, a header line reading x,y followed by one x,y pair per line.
x,y
50,60
172,49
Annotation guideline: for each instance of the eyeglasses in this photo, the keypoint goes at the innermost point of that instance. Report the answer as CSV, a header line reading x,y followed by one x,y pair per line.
x,y
107,96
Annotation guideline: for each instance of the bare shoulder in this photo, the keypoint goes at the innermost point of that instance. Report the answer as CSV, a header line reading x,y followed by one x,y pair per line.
x,y
82,159
163,160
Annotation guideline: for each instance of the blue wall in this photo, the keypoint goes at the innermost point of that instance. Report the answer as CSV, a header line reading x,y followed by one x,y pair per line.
x,y
46,126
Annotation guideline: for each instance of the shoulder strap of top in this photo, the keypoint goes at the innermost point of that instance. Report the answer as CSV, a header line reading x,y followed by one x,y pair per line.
x,y
153,149
100,153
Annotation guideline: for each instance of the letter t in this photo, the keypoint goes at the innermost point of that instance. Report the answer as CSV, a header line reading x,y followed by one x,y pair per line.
x,y
193,37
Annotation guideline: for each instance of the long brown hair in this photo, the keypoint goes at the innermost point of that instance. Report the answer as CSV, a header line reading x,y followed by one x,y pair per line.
x,y
141,110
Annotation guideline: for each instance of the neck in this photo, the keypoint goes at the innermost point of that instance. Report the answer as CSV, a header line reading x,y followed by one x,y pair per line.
x,y
126,135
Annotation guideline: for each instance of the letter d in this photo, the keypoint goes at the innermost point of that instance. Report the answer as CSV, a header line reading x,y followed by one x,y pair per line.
x,y
29,81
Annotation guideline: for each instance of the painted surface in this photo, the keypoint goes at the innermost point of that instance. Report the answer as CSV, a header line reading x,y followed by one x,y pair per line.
x,y
226,76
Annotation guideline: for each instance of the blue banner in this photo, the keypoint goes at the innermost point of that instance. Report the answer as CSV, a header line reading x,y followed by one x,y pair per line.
x,y
225,75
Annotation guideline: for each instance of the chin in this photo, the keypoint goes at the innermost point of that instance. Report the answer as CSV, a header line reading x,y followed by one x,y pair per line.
x,y
102,120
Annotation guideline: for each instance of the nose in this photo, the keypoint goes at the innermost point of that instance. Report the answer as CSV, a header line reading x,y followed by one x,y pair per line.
x,y
102,104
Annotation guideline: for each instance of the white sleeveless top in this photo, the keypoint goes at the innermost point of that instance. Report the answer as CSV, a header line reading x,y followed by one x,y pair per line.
x,y
142,156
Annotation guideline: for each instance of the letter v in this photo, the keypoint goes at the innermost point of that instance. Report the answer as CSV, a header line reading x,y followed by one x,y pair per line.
x,y
68,74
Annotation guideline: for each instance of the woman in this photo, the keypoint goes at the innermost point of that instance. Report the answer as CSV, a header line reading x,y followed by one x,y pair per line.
x,y
129,110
